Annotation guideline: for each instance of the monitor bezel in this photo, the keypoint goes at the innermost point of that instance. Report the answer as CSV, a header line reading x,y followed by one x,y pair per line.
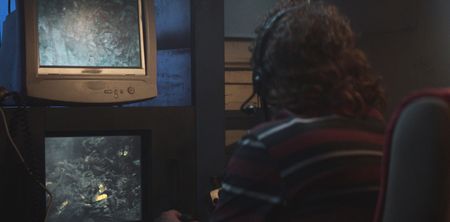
x,y
146,159
90,88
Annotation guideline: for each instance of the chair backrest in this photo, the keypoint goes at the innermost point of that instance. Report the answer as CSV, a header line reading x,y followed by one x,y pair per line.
x,y
415,180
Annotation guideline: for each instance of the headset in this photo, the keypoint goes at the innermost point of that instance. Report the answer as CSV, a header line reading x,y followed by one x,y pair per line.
x,y
259,75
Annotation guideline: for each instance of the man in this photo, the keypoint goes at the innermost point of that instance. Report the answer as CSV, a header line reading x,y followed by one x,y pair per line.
x,y
319,157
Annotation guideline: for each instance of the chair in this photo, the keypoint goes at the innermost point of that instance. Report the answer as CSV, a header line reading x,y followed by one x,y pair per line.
x,y
415,178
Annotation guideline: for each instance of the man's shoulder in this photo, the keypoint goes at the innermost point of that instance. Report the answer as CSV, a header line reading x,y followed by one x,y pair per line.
x,y
270,133
268,130
273,133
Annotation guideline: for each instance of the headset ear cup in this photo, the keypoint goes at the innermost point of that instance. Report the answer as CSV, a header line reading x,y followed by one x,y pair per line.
x,y
257,82
261,76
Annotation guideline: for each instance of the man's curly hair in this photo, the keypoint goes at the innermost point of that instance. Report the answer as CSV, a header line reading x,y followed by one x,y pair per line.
x,y
311,64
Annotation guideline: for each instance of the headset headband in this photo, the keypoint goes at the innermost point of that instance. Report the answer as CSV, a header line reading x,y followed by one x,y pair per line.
x,y
261,44
259,49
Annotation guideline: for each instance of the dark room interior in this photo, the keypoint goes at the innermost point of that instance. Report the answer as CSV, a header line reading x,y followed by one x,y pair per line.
x,y
131,110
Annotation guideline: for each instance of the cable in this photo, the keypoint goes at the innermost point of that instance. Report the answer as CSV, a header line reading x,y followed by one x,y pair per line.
x,y
247,107
261,106
27,168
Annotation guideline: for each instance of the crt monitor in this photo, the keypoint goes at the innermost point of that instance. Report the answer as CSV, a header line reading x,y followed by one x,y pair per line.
x,y
90,51
95,177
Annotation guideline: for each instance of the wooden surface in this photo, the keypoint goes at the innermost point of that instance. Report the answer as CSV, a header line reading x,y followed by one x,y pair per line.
x,y
233,136
237,53
238,74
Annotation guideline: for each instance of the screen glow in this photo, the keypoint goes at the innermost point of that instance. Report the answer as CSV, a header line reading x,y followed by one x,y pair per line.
x,y
94,178
89,33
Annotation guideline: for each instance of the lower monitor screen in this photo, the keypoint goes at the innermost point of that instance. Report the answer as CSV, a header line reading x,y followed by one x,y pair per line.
x,y
94,178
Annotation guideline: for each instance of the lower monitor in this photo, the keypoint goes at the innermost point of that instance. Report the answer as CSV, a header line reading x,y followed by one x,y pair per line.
x,y
94,178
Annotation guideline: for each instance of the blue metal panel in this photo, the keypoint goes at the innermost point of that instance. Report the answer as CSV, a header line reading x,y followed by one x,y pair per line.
x,y
11,63
173,23
4,13
173,31
174,79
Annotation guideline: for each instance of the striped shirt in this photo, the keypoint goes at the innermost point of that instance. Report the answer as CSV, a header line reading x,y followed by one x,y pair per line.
x,y
302,169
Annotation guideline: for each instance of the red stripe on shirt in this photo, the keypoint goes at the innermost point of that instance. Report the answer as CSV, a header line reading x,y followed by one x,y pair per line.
x,y
321,136
253,170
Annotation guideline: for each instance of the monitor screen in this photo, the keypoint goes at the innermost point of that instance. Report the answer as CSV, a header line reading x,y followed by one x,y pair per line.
x,y
90,51
94,178
90,34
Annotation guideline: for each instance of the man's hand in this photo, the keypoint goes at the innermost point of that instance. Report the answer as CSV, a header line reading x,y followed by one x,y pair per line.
x,y
169,216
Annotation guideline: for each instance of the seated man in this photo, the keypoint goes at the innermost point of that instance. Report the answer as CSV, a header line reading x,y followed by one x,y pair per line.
x,y
319,157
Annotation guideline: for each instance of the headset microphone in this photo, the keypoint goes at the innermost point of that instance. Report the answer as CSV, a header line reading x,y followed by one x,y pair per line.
x,y
249,108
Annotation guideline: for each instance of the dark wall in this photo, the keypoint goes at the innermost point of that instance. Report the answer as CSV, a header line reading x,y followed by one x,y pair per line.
x,y
414,56
242,16
406,42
